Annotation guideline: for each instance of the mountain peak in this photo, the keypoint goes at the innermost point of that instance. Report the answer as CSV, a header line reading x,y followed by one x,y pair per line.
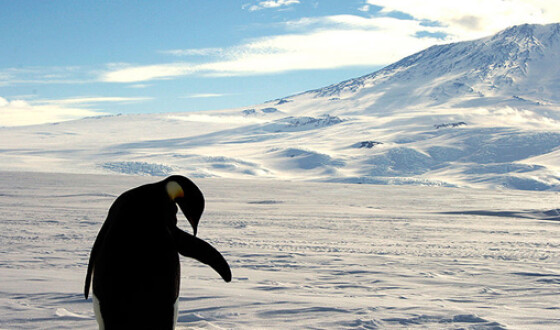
x,y
512,62
543,33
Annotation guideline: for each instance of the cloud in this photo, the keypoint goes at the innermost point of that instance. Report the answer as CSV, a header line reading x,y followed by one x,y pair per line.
x,y
270,4
194,52
139,86
346,42
92,100
145,73
398,29
364,8
314,43
21,112
204,95
475,18
45,75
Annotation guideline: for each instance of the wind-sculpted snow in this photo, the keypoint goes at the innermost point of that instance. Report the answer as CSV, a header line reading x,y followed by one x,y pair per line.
x,y
303,255
399,162
551,215
514,147
300,159
502,168
489,146
520,182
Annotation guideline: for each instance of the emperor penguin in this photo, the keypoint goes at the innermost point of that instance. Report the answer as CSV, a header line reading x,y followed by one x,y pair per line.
x,y
135,258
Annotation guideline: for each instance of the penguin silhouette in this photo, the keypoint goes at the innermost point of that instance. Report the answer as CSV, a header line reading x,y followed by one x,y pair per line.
x,y
135,258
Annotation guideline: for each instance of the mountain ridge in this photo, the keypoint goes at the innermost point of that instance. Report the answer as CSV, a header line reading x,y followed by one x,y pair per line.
x,y
482,57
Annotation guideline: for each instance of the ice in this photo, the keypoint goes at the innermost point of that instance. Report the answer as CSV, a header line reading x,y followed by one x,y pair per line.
x,y
303,255
138,168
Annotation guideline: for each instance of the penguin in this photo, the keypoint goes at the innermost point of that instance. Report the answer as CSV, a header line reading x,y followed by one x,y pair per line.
x,y
134,261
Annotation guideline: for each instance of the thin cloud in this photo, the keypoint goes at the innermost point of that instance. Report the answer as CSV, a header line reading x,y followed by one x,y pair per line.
x,y
92,100
364,8
270,4
21,112
139,86
46,75
318,43
354,44
204,95
194,52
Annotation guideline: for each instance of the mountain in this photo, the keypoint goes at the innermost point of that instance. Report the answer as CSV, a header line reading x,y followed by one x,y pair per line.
x,y
520,60
482,113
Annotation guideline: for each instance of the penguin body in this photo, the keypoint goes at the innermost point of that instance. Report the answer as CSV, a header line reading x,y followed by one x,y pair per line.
x,y
135,262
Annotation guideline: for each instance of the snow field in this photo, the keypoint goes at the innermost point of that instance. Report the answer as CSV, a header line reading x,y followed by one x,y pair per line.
x,y
303,255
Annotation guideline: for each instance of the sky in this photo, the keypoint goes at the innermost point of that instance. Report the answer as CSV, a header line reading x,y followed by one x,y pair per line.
x,y
67,59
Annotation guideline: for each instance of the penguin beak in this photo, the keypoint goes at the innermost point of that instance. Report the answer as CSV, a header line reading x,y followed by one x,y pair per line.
x,y
191,212
189,198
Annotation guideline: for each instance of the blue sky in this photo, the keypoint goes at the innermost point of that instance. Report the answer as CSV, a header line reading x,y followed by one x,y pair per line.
x,y
62,60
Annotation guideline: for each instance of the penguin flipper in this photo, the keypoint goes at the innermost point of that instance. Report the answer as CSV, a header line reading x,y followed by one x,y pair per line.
x,y
190,246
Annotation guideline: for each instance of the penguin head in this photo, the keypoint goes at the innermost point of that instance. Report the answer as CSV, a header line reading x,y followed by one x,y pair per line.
x,y
187,195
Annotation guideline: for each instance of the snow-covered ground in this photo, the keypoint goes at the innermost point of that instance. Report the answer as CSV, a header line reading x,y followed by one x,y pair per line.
x,y
303,255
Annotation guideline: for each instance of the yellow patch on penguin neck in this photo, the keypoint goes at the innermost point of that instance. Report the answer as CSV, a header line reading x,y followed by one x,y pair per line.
x,y
174,190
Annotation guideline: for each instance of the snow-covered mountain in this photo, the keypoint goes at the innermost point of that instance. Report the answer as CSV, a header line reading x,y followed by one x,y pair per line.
x,y
521,61
482,113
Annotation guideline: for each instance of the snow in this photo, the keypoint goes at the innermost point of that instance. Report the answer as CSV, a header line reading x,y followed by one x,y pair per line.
x,y
424,195
303,255
467,114
411,144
